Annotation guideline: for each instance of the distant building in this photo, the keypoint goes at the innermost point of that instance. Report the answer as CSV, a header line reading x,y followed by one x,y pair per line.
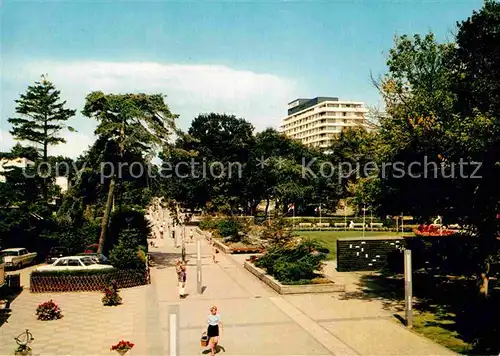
x,y
317,122
7,165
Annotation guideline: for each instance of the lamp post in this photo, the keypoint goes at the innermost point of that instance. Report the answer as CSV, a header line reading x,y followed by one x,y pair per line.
x,y
183,240
345,216
371,218
364,213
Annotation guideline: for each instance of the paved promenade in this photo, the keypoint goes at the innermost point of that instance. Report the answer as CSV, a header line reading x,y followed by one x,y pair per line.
x,y
257,321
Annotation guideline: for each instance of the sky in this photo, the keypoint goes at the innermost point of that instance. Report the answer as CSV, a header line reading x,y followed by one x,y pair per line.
x,y
247,58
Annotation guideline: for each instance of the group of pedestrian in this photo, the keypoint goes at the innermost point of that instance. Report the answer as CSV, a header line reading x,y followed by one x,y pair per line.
x,y
214,322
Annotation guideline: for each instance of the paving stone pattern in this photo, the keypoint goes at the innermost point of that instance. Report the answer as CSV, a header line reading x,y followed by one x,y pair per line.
x,y
257,321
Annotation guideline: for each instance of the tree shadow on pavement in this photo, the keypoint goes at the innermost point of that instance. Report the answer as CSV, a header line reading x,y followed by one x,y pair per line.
x,y
163,259
448,302
8,294
218,349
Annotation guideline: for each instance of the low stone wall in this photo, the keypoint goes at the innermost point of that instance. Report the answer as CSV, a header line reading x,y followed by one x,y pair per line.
x,y
292,289
221,246
68,283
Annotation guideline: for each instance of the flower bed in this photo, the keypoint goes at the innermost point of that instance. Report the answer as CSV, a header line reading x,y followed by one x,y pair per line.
x,y
77,281
48,311
434,233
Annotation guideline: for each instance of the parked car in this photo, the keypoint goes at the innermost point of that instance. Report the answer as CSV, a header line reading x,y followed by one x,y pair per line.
x,y
55,253
18,257
98,258
72,263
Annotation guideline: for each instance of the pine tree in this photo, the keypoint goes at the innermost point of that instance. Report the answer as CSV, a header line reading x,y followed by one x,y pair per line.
x,y
42,116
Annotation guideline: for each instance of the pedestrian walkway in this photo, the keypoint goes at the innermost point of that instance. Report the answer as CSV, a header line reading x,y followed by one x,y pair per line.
x,y
258,321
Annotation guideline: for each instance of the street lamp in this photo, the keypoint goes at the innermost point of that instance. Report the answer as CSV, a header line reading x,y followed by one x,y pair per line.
x,y
364,213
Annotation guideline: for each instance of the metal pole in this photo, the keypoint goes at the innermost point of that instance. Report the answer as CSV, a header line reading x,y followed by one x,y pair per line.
x,y
173,317
371,218
402,224
183,247
408,289
198,258
345,216
364,213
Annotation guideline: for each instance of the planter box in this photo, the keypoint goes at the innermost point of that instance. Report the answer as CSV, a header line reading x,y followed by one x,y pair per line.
x,y
229,250
292,288
221,246
123,278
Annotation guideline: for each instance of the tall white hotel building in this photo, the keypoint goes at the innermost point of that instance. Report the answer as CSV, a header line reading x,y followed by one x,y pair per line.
x,y
317,122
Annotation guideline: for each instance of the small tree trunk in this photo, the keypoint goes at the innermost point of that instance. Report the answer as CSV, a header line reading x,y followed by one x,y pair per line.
x,y
105,218
267,205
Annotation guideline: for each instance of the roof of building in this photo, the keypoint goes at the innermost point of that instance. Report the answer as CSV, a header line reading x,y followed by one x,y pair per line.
x,y
301,104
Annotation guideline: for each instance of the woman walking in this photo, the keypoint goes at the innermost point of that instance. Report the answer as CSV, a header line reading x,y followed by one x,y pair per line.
x,y
181,278
215,251
214,322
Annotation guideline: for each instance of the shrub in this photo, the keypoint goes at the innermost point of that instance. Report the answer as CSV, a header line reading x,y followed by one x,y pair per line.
x,y
125,257
229,227
208,223
111,296
276,233
128,224
294,264
48,311
128,253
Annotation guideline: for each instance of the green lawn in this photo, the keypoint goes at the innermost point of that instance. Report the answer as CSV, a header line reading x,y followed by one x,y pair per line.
x,y
329,238
440,329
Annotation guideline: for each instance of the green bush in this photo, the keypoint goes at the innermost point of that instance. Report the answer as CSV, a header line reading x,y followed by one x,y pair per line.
x,y
294,264
229,227
208,223
123,256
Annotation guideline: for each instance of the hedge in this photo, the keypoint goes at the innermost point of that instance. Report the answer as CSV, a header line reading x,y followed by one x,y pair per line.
x,y
73,281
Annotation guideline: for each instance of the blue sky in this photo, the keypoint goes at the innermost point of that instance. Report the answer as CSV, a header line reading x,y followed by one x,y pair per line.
x,y
245,58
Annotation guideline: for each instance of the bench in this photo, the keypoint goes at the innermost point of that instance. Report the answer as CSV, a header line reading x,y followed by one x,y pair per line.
x,y
357,225
305,224
322,225
376,224
340,224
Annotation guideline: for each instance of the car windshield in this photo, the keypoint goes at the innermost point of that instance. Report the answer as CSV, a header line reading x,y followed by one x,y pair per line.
x,y
10,253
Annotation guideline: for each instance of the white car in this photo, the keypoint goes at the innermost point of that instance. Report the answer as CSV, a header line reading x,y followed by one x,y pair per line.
x,y
18,257
72,263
